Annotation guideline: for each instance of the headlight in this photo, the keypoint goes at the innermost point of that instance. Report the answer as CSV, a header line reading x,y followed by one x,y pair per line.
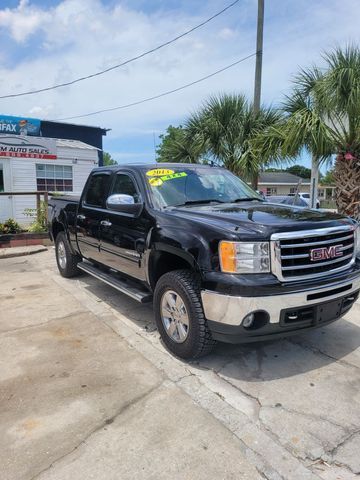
x,y
357,241
244,257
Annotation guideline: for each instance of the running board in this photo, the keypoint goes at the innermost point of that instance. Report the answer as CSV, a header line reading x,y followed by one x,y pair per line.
x,y
127,287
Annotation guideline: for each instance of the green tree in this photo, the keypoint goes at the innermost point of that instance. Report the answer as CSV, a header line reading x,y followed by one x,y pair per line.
x,y
223,131
108,160
328,178
338,94
176,146
323,116
300,171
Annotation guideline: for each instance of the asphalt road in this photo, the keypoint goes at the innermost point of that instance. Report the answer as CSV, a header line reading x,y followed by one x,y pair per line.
x,y
88,391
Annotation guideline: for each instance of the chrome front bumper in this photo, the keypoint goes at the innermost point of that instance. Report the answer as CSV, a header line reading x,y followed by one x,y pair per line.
x,y
231,310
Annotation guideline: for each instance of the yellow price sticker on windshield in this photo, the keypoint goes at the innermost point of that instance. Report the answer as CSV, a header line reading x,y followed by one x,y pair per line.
x,y
173,175
159,172
158,181
155,182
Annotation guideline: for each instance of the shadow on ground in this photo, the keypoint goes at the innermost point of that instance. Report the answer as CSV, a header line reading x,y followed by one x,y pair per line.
x,y
263,361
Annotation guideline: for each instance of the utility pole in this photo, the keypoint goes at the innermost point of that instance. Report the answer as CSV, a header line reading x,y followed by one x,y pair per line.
x,y
314,182
259,53
258,69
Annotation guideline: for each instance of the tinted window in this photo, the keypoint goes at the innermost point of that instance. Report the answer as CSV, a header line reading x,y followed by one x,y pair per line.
x,y
178,186
125,185
97,190
298,202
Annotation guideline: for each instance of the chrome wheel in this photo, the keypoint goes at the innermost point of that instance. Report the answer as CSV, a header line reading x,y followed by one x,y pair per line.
x,y
61,252
174,316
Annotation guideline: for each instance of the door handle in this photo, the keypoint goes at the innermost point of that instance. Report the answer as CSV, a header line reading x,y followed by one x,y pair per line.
x,y
105,223
81,217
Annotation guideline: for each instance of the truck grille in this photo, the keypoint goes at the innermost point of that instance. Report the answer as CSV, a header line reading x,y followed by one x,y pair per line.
x,y
307,254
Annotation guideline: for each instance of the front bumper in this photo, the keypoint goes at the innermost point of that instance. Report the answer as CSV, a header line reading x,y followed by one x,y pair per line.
x,y
280,315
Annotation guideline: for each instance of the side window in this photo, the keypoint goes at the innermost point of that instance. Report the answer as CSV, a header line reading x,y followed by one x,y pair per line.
x,y
125,185
97,189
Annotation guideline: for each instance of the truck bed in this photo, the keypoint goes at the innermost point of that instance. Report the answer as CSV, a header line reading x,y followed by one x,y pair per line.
x,y
65,198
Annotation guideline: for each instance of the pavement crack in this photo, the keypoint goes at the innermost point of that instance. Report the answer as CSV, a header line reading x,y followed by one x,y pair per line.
x,y
27,327
312,416
244,392
342,442
103,424
317,351
189,374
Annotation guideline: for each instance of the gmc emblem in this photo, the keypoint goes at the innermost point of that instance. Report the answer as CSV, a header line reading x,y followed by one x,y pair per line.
x,y
325,253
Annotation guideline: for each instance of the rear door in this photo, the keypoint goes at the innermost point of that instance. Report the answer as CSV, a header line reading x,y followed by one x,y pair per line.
x,y
90,214
123,235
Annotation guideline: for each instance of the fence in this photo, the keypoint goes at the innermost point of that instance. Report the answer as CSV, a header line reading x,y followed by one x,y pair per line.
x,y
38,195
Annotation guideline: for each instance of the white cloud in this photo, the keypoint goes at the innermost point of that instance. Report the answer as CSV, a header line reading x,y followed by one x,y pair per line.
x,y
42,112
22,21
227,33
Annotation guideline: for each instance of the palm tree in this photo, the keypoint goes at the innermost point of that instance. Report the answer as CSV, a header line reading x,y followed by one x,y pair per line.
x,y
223,131
323,116
302,127
338,94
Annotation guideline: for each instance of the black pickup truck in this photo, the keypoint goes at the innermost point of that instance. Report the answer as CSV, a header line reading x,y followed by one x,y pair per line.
x,y
218,262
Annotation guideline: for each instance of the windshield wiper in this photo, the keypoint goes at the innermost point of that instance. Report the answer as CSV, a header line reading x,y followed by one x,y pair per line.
x,y
247,199
194,202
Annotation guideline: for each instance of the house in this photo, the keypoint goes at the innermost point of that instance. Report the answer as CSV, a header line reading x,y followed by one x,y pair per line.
x,y
43,155
30,164
284,183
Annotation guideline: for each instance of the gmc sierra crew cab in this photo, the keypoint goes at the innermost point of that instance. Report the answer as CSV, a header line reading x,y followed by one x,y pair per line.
x,y
217,261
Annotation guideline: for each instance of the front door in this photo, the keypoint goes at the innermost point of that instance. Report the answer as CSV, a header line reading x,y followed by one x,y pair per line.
x,y
90,215
122,235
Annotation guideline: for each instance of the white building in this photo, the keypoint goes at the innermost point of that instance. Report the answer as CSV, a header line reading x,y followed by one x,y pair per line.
x,y
30,164
284,183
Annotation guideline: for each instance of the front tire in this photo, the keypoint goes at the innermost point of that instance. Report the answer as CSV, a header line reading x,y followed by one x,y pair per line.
x,y
179,315
65,259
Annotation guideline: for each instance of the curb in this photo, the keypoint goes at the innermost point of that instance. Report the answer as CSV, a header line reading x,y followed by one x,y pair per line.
x,y
21,251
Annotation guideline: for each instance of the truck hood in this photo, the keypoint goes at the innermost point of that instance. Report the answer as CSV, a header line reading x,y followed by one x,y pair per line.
x,y
259,218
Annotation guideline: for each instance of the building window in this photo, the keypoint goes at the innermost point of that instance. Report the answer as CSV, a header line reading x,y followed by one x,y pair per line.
x,y
54,178
271,191
293,189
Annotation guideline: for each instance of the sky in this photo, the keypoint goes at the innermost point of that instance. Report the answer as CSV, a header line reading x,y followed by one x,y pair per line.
x,y
52,41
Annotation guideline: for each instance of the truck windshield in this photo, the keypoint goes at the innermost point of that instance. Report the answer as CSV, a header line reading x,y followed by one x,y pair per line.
x,y
185,186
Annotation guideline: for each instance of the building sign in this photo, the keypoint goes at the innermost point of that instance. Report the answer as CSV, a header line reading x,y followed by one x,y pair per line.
x,y
19,125
22,147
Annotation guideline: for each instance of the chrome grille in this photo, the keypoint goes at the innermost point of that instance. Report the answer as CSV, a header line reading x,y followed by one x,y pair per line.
x,y
291,252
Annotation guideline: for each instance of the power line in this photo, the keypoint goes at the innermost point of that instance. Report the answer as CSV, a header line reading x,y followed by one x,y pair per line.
x,y
161,94
126,62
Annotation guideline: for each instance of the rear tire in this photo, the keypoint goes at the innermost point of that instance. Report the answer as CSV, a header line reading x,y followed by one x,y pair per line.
x,y
179,315
65,259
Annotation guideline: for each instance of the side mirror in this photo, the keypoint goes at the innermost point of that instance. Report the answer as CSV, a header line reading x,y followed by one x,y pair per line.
x,y
120,202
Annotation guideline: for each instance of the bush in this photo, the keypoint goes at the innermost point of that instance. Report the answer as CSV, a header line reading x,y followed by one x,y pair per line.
x,y
39,223
10,226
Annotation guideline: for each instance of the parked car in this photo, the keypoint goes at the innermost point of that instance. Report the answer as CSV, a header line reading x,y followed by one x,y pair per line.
x,y
218,262
288,200
306,197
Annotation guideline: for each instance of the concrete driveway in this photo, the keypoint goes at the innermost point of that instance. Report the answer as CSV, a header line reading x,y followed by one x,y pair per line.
x,y
88,391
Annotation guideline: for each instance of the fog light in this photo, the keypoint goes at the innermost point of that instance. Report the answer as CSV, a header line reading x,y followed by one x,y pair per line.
x,y
248,320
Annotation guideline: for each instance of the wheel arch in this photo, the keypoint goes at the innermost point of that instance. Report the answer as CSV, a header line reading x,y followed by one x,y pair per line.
x,y
56,228
163,261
